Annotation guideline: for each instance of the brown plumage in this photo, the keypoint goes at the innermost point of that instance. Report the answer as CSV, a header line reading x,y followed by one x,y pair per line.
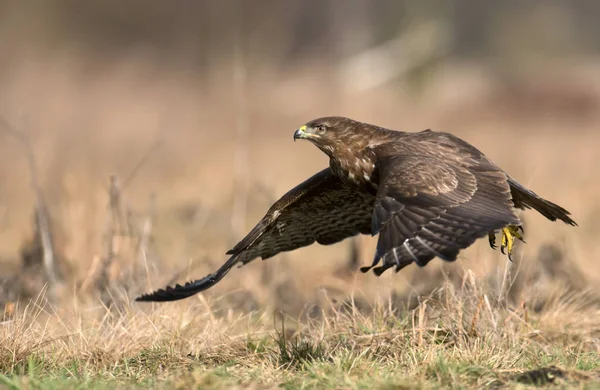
x,y
427,194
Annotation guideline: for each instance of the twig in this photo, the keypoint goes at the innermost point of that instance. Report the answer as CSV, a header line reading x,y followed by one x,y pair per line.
x,y
489,309
472,330
116,213
422,309
91,274
41,213
118,224
141,163
505,281
111,244
145,237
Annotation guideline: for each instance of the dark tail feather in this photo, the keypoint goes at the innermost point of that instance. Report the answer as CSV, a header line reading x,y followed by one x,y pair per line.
x,y
526,199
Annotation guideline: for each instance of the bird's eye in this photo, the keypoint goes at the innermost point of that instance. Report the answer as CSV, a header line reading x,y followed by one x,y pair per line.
x,y
320,129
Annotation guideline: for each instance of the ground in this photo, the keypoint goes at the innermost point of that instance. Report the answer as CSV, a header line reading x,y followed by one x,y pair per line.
x,y
452,339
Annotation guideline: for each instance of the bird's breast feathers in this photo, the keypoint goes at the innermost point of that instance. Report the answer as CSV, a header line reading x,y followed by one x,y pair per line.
x,y
355,168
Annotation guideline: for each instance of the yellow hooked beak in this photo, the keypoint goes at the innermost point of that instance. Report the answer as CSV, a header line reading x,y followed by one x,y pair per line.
x,y
300,133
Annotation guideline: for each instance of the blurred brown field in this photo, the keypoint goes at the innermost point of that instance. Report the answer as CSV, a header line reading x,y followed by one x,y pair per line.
x,y
199,138
161,132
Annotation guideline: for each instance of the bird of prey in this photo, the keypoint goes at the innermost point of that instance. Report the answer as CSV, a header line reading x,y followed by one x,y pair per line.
x,y
426,194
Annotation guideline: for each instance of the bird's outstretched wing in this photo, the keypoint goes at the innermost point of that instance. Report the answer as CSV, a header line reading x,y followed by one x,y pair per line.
x,y
321,209
428,207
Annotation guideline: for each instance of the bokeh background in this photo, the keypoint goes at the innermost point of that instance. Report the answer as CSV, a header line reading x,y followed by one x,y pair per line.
x,y
162,132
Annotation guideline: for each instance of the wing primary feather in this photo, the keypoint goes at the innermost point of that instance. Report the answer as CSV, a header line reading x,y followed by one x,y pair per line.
x,y
437,236
429,248
380,270
395,252
410,252
376,261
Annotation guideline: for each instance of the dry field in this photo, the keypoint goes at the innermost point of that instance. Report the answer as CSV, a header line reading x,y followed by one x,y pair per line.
x,y
195,163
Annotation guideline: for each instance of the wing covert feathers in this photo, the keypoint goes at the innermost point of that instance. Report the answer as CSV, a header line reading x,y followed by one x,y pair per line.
x,y
428,208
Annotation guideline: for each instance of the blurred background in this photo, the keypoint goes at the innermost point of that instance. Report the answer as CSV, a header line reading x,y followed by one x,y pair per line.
x,y
140,140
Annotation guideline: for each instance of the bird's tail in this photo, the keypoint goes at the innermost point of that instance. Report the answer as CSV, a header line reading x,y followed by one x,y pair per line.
x,y
526,199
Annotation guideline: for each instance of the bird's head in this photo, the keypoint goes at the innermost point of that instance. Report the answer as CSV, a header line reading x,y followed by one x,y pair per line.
x,y
328,133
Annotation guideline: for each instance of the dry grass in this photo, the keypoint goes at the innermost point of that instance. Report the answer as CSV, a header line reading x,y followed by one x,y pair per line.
x,y
304,319
455,337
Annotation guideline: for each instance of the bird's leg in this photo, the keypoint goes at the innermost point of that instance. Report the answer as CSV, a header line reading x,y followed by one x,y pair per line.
x,y
509,234
492,238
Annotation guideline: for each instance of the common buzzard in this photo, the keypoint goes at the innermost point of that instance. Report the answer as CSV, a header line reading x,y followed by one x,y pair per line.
x,y
427,194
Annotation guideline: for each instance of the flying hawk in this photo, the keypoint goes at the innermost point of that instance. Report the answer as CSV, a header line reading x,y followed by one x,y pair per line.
x,y
427,194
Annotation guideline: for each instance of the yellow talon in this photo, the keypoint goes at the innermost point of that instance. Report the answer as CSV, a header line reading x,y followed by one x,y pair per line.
x,y
508,238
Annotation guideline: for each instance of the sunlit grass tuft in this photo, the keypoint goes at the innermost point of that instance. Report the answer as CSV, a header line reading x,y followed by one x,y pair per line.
x,y
455,337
